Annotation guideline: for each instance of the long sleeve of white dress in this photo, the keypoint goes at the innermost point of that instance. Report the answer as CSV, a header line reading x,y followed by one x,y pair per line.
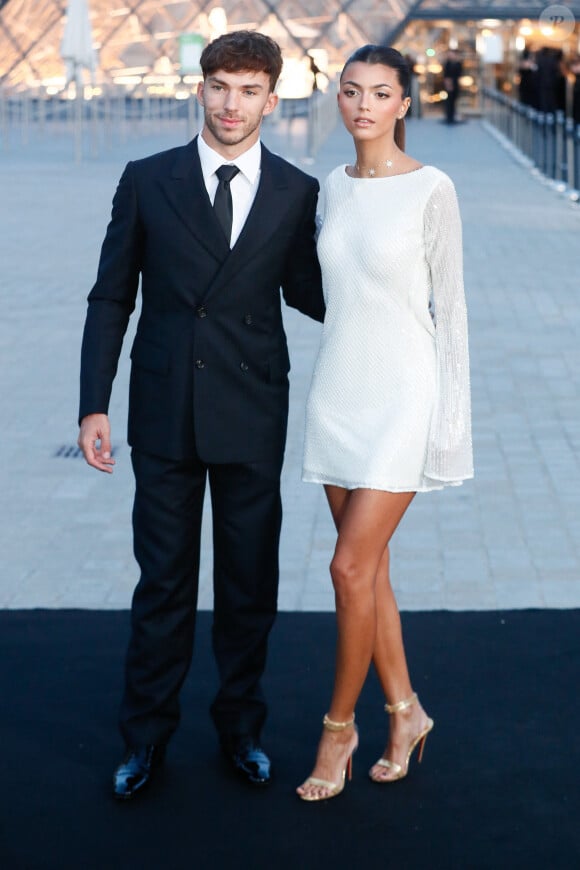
x,y
449,449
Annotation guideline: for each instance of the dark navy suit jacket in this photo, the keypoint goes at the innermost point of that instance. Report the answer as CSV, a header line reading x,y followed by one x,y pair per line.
x,y
210,362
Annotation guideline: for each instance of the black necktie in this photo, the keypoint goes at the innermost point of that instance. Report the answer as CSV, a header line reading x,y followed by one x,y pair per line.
x,y
222,204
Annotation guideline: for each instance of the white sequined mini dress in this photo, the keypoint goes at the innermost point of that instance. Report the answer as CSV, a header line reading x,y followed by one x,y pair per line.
x,y
389,404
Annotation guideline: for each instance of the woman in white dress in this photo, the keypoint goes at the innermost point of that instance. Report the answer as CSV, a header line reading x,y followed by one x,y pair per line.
x,y
388,413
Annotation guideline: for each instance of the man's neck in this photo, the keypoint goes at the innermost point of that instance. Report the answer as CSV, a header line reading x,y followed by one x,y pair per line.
x,y
228,152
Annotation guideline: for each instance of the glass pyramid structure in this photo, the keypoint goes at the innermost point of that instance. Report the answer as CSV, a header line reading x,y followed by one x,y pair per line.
x,y
143,36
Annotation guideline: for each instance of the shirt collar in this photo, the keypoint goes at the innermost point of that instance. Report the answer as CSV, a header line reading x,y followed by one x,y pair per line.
x,y
248,163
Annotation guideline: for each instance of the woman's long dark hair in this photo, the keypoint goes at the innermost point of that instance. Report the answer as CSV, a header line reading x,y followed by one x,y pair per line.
x,y
392,58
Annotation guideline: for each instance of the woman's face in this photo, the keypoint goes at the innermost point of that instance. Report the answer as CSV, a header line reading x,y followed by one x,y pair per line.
x,y
371,100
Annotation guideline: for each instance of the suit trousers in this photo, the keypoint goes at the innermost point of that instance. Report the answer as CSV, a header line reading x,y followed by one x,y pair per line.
x,y
167,514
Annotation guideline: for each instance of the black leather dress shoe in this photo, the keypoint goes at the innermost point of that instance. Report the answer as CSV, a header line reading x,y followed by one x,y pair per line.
x,y
248,759
136,770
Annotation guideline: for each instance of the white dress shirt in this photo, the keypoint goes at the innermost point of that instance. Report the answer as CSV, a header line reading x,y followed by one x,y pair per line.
x,y
243,186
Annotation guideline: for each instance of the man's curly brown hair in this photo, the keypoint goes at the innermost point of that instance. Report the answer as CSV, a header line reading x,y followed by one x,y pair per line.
x,y
243,50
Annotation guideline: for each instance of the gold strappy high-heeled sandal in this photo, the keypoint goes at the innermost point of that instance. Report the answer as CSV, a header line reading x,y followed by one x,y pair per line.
x,y
398,770
334,788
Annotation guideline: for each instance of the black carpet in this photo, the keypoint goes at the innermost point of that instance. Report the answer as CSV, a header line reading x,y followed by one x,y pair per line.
x,y
498,787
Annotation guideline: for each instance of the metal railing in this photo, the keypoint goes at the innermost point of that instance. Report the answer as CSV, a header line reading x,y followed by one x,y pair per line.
x,y
549,140
89,127
322,119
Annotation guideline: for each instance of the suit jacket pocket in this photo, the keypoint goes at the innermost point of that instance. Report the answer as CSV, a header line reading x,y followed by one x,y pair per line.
x,y
151,357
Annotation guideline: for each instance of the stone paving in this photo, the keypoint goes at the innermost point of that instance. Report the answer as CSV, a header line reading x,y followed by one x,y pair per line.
x,y
508,539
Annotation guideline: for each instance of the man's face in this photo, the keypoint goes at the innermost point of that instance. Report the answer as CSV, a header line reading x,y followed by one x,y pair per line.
x,y
234,105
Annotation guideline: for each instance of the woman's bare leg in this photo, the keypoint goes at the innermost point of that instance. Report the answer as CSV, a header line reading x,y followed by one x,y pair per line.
x,y
366,520
391,665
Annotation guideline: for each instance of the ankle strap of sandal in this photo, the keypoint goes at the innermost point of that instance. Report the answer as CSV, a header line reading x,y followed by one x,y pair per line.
x,y
336,726
401,705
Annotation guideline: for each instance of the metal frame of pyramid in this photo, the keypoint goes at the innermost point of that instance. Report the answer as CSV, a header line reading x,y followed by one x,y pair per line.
x,y
135,35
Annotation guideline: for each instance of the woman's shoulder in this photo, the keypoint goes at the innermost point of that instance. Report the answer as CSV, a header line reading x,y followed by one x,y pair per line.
x,y
336,174
334,184
436,187
436,177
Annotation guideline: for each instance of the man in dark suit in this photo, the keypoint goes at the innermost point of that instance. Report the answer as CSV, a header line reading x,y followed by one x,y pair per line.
x,y
452,72
214,229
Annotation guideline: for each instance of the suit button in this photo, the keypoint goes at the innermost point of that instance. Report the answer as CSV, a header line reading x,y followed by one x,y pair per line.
x,y
248,319
199,364
201,311
244,366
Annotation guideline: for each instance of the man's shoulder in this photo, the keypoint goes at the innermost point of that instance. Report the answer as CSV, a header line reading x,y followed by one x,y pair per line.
x,y
160,161
291,171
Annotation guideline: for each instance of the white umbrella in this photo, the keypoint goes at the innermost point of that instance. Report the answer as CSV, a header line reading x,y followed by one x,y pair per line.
x,y
77,52
77,42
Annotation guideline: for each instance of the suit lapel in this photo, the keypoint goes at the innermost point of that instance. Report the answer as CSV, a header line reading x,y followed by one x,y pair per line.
x,y
265,216
187,194
267,209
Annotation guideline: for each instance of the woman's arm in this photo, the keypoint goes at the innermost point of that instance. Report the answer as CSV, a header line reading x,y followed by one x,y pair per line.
x,y
449,452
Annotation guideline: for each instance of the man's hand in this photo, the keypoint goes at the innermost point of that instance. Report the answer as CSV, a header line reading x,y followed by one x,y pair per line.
x,y
95,428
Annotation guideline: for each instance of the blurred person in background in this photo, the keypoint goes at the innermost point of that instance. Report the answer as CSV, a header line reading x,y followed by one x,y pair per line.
x,y
528,86
575,69
452,72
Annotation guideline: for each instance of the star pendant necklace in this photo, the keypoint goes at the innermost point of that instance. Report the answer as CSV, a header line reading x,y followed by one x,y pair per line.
x,y
372,170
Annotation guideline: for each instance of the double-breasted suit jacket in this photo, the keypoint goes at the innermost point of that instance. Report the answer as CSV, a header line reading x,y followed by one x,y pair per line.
x,y
210,361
